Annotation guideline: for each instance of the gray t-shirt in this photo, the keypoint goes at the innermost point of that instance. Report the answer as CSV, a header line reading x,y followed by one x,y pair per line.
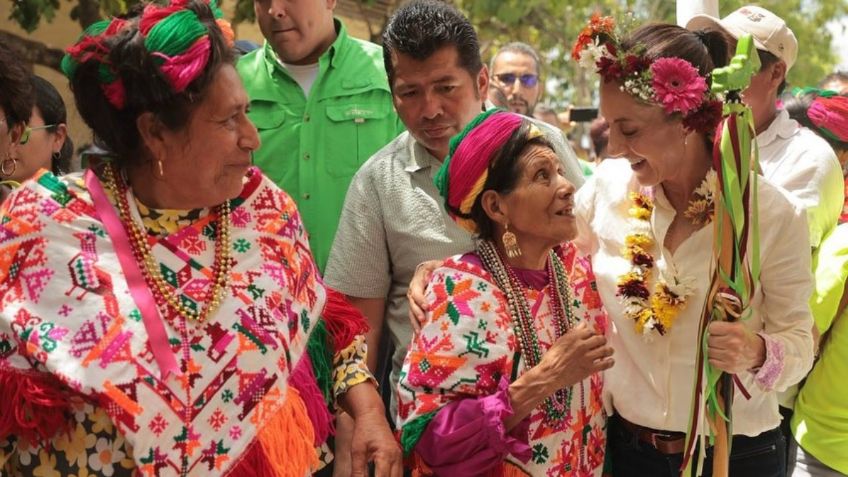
x,y
393,219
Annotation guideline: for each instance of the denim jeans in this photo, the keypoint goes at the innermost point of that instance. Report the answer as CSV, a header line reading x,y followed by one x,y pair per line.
x,y
760,456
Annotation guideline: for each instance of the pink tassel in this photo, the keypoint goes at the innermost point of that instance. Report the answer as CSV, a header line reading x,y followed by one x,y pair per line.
x,y
303,379
182,69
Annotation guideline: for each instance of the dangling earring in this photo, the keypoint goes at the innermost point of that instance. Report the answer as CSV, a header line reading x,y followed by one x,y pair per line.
x,y
161,168
510,243
3,169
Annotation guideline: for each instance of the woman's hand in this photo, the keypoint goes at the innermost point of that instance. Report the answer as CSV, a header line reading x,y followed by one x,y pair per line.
x,y
373,442
574,357
417,288
733,348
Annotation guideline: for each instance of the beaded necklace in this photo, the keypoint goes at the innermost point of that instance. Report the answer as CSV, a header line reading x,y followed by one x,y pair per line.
x,y
558,404
143,254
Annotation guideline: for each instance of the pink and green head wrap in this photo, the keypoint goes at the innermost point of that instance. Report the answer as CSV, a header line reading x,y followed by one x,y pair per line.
x,y
463,175
173,35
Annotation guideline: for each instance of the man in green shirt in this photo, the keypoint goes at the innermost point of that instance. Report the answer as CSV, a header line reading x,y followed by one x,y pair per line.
x,y
321,102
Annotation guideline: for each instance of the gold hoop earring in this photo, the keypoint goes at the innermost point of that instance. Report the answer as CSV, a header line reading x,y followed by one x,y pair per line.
x,y
510,243
14,166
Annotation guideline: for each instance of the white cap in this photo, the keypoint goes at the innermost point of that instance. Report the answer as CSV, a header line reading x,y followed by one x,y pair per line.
x,y
769,30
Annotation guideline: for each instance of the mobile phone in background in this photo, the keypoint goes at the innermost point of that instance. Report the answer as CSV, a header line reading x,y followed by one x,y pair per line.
x,y
582,114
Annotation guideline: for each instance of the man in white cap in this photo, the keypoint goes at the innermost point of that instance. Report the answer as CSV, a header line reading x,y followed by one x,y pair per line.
x,y
791,156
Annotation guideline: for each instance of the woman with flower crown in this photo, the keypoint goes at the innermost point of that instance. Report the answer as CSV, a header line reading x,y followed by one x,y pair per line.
x,y
645,219
504,376
161,313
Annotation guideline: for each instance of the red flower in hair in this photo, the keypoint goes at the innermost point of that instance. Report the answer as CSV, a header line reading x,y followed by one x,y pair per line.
x,y
635,64
678,87
610,69
706,118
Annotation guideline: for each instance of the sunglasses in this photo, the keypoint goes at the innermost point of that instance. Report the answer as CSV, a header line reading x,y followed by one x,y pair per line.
x,y
528,80
29,130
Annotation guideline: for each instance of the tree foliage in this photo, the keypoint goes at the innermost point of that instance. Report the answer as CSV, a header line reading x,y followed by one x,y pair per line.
x,y
549,25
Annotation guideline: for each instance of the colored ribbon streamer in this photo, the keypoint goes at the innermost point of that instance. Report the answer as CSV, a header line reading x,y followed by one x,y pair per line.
x,y
135,280
736,273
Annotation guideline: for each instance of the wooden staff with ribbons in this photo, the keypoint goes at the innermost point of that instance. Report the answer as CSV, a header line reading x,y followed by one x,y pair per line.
x,y
735,271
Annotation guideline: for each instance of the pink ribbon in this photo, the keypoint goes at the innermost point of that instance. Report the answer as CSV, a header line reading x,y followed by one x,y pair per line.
x,y
135,280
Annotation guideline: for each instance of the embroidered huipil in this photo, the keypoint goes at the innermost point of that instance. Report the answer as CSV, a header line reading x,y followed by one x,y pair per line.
x,y
256,380
453,387
651,382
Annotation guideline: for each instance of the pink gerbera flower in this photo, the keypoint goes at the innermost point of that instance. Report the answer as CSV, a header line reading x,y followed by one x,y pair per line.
x,y
677,85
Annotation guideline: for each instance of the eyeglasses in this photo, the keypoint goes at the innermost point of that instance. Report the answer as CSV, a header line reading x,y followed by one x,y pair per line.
x,y
528,80
29,130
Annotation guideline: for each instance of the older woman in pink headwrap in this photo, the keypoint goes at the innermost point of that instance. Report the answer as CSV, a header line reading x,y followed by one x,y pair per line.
x,y
504,376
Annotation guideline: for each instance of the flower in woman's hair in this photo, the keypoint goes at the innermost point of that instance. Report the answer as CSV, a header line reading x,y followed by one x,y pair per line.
x,y
678,87
609,68
593,52
706,118
635,64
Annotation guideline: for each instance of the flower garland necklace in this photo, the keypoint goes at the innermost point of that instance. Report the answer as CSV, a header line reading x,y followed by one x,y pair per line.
x,y
558,404
657,311
150,267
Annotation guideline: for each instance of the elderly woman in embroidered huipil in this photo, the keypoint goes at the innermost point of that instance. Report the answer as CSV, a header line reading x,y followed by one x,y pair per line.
x,y
161,314
504,376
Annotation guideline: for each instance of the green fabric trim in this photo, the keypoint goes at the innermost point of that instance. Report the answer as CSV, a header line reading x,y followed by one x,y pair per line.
x,y
320,352
411,433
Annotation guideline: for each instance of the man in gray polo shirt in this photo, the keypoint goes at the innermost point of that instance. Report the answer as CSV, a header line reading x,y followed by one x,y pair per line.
x,y
393,218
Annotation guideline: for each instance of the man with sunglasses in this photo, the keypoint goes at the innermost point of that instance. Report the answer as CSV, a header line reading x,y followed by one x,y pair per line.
x,y
516,83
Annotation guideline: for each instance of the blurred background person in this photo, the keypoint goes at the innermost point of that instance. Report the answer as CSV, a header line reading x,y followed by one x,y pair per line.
x,y
46,143
516,78
16,100
836,81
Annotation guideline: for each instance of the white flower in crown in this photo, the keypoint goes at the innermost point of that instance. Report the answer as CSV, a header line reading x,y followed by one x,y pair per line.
x,y
593,52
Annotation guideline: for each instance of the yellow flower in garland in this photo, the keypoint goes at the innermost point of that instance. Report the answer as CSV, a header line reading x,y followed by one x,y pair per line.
x,y
658,310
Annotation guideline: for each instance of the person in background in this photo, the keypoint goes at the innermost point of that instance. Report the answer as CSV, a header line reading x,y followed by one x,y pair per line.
x,y
547,114
322,105
836,81
818,423
47,144
825,113
516,82
16,102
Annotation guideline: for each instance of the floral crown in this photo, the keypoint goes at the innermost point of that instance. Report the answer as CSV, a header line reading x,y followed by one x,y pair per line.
x,y
672,83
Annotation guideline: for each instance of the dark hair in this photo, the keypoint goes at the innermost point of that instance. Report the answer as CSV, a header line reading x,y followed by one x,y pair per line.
x,y
797,107
52,109
421,28
767,59
521,48
146,88
15,89
841,76
504,173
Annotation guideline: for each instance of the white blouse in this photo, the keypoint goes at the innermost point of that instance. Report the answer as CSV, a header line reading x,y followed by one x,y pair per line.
x,y
652,381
